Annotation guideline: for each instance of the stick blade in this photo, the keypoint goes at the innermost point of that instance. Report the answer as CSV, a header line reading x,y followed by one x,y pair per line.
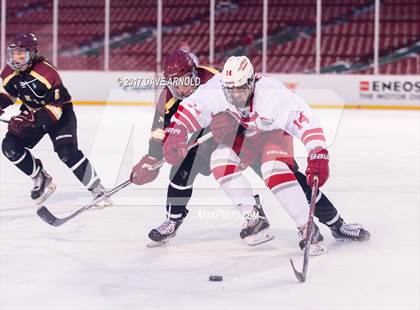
x,y
299,275
48,217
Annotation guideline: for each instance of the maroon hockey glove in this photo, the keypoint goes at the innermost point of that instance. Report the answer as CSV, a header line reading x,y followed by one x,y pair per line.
x,y
175,146
318,160
224,127
142,172
19,123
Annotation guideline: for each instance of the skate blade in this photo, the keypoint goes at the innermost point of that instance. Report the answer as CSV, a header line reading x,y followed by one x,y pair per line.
x,y
318,249
261,237
50,189
156,244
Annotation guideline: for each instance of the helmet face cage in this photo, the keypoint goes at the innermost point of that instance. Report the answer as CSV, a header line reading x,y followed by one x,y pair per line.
x,y
183,86
239,96
18,57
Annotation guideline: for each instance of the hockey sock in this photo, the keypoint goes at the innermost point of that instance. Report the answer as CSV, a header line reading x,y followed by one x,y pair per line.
x,y
28,164
238,189
294,202
283,184
79,165
177,200
85,173
324,209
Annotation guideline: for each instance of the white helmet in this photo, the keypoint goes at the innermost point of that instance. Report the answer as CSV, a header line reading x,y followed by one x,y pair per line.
x,y
238,80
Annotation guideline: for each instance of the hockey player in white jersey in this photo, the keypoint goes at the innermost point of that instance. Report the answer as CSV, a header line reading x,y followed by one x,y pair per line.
x,y
269,114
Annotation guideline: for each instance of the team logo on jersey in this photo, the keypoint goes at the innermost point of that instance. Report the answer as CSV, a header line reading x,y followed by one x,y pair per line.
x,y
22,84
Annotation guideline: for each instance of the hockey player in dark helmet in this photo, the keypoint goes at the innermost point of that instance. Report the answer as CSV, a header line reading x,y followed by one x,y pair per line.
x,y
180,74
46,109
182,77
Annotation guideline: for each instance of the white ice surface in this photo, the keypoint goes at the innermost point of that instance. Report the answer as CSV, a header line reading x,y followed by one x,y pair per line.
x,y
99,260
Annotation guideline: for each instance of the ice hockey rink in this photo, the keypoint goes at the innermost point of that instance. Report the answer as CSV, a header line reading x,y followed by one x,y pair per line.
x,y
99,260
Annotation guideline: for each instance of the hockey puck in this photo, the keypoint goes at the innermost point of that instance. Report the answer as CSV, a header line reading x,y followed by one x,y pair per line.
x,y
215,278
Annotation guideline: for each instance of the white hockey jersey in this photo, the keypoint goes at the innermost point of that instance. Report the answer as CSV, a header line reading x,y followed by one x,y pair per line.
x,y
272,107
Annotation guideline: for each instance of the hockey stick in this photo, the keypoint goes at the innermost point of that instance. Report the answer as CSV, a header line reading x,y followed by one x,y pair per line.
x,y
4,121
51,219
301,276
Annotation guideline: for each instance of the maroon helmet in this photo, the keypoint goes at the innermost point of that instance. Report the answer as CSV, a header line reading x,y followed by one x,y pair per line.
x,y
22,50
180,74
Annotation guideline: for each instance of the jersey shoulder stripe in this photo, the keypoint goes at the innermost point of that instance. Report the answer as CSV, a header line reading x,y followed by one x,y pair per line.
x,y
169,104
7,74
209,69
46,74
41,78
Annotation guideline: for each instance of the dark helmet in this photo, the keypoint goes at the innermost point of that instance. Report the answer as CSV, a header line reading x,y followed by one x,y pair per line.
x,y
177,64
26,42
179,70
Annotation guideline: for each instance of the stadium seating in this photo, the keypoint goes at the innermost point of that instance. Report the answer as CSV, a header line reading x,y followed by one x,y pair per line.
x,y
347,32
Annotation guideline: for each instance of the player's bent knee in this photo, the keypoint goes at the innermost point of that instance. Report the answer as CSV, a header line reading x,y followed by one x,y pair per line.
x,y
12,148
69,154
277,173
277,164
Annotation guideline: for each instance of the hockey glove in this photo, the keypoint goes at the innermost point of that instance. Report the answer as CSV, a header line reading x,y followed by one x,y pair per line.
x,y
142,172
175,146
318,161
20,123
223,127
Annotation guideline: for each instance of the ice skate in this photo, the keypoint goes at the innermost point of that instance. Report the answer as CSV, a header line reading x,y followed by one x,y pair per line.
x,y
342,231
99,191
43,185
167,230
256,226
317,246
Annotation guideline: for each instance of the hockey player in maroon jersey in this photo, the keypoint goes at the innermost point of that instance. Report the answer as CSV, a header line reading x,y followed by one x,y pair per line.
x,y
177,65
46,109
269,113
